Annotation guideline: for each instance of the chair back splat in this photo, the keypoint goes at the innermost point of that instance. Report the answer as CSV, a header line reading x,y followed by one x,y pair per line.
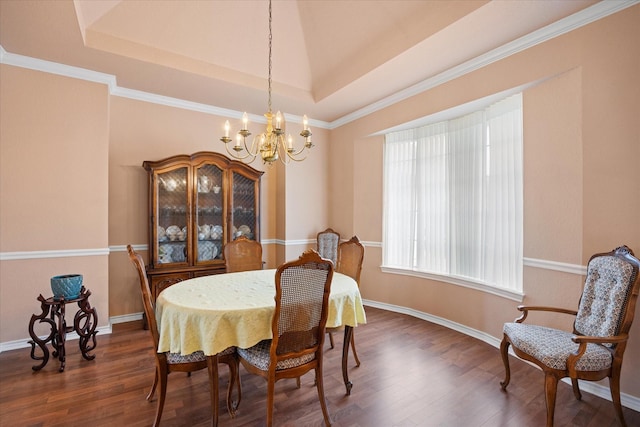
x,y
350,258
595,348
242,254
327,244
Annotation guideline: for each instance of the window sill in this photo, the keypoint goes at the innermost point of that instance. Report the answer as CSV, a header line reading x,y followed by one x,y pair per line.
x,y
459,281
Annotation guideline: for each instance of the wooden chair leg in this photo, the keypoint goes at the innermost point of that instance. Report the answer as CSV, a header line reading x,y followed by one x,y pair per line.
x,y
550,389
504,351
212,367
162,380
353,347
153,386
576,388
323,402
271,386
234,378
331,339
614,385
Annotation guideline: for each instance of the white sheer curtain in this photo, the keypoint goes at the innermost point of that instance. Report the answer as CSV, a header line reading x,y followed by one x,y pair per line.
x,y
453,197
399,185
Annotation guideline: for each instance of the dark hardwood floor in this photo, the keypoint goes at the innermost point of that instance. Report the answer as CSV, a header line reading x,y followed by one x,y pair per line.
x,y
413,373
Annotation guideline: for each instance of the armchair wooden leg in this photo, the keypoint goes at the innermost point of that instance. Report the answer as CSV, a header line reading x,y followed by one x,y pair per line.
x,y
550,389
576,388
614,385
504,351
331,339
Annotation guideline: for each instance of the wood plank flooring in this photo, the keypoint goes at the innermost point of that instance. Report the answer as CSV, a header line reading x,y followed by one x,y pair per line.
x,y
413,373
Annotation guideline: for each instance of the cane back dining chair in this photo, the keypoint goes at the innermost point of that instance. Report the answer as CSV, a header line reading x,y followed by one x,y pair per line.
x,y
594,350
327,244
170,362
242,254
350,258
302,295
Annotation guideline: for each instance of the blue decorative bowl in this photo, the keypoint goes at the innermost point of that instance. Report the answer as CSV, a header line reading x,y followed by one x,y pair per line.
x,y
67,286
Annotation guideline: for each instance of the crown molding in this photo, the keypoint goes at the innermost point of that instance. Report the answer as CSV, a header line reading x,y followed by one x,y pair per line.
x,y
57,68
591,14
598,11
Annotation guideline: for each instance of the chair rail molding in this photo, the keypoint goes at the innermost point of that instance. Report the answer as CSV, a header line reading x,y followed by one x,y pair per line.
x,y
555,265
61,253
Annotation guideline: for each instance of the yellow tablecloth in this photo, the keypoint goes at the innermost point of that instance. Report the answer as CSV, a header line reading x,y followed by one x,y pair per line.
x,y
212,313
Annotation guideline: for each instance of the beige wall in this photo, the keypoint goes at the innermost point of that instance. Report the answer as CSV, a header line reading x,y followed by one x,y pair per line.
x,y
581,180
581,174
54,139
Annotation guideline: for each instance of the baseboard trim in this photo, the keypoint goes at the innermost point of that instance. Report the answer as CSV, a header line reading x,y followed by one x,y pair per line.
x,y
102,330
627,400
125,318
24,342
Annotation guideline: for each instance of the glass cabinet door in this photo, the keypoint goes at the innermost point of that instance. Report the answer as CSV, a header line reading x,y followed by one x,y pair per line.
x,y
243,207
209,204
172,216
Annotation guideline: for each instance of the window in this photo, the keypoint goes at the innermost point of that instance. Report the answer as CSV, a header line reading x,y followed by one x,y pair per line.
x,y
453,198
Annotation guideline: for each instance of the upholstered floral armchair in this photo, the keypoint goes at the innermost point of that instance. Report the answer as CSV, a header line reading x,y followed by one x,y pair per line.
x,y
595,348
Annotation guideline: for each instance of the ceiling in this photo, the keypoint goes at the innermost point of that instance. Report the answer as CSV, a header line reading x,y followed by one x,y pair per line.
x,y
330,57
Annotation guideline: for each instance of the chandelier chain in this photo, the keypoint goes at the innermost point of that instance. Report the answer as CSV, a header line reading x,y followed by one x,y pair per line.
x,y
270,37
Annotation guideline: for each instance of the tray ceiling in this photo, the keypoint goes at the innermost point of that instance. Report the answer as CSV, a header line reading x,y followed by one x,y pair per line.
x,y
330,58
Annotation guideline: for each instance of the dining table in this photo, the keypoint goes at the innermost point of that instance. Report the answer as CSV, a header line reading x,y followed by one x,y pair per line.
x,y
212,313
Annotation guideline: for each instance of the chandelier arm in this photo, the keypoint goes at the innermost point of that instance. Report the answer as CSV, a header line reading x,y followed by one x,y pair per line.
x,y
255,146
286,155
295,159
296,153
235,155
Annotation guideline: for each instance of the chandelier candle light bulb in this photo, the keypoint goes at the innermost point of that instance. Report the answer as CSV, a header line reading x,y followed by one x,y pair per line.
x,y
245,121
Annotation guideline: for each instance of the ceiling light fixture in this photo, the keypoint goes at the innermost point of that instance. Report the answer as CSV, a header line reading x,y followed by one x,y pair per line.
x,y
271,144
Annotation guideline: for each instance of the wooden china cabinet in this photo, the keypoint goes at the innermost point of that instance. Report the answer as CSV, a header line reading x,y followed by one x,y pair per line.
x,y
197,203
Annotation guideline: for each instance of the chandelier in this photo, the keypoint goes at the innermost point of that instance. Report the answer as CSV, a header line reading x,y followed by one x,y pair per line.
x,y
271,144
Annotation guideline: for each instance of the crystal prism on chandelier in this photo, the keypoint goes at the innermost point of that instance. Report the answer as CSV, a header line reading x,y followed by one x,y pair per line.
x,y
271,144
